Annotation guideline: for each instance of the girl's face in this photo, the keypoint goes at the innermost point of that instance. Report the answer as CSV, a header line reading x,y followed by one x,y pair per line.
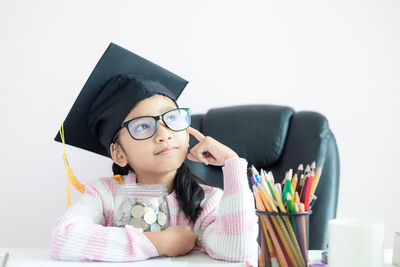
x,y
144,155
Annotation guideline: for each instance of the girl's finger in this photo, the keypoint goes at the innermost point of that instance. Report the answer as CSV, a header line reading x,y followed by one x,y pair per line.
x,y
198,135
191,157
198,152
211,159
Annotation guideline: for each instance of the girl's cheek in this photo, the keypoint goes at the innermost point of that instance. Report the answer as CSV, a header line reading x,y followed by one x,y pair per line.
x,y
140,153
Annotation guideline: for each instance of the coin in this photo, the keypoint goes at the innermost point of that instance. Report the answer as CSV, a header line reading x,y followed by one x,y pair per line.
x,y
164,208
139,223
154,203
150,217
154,207
162,219
155,227
137,211
140,203
147,209
148,213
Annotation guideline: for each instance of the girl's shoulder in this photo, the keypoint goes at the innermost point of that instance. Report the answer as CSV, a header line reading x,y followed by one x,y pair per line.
x,y
104,181
102,185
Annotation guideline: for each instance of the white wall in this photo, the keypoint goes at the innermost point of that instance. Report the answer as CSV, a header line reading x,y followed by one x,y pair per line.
x,y
340,58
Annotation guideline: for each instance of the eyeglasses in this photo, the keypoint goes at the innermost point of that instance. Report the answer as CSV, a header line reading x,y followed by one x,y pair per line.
x,y
141,128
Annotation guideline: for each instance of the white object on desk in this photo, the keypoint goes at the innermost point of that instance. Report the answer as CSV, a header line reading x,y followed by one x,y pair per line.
x,y
355,243
396,249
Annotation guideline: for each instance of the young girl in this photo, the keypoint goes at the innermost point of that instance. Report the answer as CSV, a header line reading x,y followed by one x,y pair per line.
x,y
135,120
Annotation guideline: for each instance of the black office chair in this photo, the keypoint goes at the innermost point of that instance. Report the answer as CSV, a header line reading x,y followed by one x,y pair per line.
x,y
277,138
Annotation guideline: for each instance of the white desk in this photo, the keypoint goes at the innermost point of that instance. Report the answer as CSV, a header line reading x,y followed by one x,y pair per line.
x,y
315,256
40,257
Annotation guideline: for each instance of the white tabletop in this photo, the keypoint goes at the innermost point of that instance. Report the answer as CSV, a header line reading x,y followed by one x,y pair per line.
x,y
40,257
315,256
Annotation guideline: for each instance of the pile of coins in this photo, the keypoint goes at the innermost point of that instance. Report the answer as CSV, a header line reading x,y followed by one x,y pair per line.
x,y
153,217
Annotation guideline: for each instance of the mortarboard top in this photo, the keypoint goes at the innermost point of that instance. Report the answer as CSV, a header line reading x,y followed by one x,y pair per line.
x,y
119,81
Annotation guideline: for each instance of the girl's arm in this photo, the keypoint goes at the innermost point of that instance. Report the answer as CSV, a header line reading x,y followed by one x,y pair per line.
x,y
80,234
227,227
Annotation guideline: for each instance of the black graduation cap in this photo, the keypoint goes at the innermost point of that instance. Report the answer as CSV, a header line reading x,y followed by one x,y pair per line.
x,y
119,81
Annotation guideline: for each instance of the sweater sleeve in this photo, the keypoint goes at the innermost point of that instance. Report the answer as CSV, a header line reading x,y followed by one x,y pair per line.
x,y
227,226
81,234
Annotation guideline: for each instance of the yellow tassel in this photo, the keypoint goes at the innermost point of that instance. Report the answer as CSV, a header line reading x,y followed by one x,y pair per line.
x,y
70,175
118,178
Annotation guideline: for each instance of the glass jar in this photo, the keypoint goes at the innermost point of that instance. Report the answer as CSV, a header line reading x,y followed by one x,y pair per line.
x,y
142,206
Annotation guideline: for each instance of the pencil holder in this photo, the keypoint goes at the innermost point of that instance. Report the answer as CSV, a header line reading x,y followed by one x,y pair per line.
x,y
283,238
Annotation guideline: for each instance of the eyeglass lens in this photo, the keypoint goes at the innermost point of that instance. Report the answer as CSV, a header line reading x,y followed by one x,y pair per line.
x,y
145,127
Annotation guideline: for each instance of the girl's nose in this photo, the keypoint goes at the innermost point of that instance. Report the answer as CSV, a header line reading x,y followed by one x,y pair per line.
x,y
163,133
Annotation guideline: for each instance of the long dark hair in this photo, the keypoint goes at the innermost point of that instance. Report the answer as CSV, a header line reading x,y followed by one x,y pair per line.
x,y
187,188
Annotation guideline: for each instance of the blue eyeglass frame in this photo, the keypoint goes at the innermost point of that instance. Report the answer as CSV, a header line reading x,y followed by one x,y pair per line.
x,y
156,118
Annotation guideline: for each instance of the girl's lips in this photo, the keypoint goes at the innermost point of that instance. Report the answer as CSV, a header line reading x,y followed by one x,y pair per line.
x,y
167,151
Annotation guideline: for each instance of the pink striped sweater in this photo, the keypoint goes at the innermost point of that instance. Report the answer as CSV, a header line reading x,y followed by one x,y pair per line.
x,y
226,228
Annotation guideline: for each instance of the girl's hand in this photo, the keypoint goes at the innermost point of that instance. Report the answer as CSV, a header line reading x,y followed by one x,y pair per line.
x,y
209,150
173,241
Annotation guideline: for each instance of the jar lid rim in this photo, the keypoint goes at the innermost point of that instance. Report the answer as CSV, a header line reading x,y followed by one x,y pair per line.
x,y
144,187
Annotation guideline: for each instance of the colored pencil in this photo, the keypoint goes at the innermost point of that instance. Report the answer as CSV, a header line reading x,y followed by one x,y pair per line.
x,y
264,205
300,170
307,192
316,179
301,182
284,236
312,167
301,237
292,241
274,260
294,183
279,226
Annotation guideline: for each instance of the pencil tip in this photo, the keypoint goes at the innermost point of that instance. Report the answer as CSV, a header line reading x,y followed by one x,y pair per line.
x,y
254,170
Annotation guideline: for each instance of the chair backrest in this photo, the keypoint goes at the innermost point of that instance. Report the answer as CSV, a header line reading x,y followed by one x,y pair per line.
x,y
277,138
